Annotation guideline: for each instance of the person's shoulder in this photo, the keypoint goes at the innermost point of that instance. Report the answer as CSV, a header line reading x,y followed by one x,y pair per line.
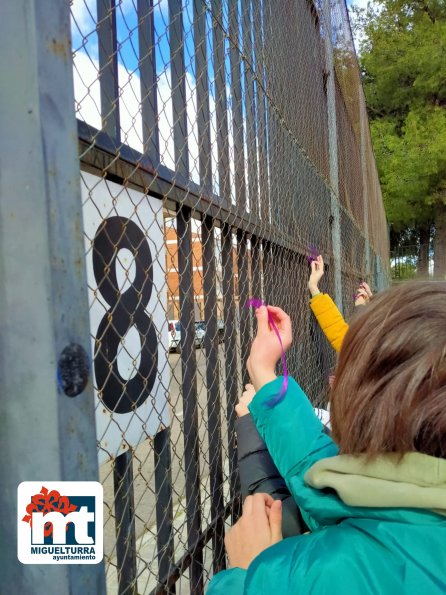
x,y
329,560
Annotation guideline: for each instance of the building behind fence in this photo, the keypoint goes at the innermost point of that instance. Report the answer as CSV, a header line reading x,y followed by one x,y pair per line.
x,y
217,141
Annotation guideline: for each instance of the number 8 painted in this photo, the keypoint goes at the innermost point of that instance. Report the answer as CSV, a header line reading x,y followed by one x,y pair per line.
x,y
126,309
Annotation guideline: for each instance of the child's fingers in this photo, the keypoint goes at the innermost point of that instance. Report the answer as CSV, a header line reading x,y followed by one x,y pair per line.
x,y
278,313
275,521
367,289
267,498
248,504
261,503
262,320
240,410
281,318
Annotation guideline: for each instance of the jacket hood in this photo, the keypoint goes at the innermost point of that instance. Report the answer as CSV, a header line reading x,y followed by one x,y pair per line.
x,y
415,481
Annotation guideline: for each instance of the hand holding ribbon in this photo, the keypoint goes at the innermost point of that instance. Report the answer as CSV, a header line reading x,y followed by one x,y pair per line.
x,y
273,325
314,253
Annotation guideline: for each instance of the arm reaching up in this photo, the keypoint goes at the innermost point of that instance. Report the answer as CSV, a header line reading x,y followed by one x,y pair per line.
x,y
266,348
317,272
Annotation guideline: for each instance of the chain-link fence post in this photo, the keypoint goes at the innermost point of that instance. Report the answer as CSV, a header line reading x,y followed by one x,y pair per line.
x,y
333,157
46,405
365,187
381,280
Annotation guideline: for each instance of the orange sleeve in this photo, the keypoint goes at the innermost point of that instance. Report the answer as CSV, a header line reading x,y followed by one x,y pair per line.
x,y
330,319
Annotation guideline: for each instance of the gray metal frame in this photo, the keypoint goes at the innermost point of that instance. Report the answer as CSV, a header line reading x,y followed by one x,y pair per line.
x,y
43,289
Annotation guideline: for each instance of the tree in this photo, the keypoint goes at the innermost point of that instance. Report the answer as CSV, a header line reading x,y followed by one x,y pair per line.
x,y
403,60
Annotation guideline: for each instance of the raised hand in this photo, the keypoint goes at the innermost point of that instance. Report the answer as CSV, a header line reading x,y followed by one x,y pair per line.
x,y
317,272
266,349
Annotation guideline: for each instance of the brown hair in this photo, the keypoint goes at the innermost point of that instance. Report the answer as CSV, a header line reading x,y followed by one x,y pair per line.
x,y
390,389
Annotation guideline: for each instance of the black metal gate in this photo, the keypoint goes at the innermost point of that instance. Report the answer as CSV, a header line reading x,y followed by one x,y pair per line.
x,y
235,131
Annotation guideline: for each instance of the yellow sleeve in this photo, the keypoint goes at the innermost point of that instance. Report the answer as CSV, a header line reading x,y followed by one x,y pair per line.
x,y
330,319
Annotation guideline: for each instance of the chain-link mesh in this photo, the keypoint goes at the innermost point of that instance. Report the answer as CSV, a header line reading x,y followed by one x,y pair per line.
x,y
219,140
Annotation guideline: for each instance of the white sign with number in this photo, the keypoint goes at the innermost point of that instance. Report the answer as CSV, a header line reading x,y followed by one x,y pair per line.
x,y
125,253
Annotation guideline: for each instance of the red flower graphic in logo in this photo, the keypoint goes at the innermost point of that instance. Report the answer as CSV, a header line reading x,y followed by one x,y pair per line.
x,y
46,502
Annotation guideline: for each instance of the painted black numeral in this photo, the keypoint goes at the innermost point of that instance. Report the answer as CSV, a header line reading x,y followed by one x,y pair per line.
x,y
126,309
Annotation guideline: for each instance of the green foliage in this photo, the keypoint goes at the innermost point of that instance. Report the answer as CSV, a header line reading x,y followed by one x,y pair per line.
x,y
403,59
402,271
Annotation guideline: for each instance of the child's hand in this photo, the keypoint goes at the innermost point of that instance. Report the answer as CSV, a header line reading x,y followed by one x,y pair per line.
x,y
317,272
259,527
367,289
242,406
363,294
266,349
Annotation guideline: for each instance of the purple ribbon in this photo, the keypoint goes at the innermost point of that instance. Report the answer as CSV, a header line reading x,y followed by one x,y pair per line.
x,y
257,303
313,254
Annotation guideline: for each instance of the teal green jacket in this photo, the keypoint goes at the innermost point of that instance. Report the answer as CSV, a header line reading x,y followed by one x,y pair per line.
x,y
376,527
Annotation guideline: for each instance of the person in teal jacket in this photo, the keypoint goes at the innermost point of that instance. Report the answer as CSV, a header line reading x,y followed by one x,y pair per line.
x,y
374,495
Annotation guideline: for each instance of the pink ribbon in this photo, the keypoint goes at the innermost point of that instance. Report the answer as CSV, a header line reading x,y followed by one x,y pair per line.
x,y
257,303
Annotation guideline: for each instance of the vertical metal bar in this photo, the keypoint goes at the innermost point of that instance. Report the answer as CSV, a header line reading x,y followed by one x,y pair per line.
x,y
230,357
211,341
147,70
203,115
256,272
244,295
365,185
333,152
271,132
282,274
274,157
108,68
48,428
250,105
380,279
178,77
279,273
237,107
261,112
256,266
221,109
273,128
164,506
268,268
291,302
125,524
268,41
189,389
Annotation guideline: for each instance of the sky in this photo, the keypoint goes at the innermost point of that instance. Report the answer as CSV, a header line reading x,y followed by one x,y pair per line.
x,y
360,3
87,91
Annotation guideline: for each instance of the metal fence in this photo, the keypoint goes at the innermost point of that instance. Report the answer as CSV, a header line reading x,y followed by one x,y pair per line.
x,y
219,141
410,262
